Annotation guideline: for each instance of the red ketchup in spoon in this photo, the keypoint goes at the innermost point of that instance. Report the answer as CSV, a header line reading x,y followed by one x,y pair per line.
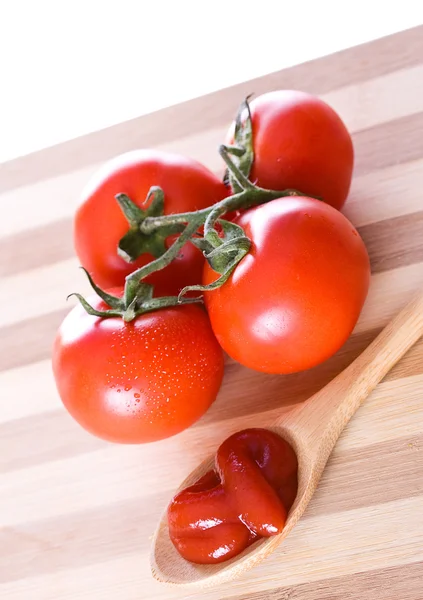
x,y
248,495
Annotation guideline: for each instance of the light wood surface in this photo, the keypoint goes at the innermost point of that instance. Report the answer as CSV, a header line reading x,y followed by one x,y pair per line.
x,y
77,514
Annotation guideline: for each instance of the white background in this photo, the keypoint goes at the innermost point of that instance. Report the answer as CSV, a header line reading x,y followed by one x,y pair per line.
x,y
70,67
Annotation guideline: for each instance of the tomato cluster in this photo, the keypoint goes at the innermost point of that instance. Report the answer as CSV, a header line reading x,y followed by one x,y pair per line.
x,y
295,281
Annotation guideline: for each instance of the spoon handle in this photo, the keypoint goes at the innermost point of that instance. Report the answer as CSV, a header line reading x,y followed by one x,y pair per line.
x,y
324,416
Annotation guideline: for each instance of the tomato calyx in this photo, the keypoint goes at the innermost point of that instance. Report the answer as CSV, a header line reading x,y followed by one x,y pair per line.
x,y
222,254
138,296
135,242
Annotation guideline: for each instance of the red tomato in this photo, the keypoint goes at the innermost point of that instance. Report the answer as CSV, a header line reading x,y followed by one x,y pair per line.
x,y
293,301
300,142
140,381
99,223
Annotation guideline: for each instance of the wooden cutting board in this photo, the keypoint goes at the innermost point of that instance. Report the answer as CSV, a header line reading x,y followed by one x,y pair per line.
x,y
77,514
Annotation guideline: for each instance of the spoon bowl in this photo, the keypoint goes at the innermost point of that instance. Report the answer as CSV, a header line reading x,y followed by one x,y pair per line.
x,y
312,429
168,565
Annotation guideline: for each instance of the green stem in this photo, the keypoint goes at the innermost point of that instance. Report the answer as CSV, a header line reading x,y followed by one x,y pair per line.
x,y
235,151
132,281
209,216
152,224
250,195
216,211
242,180
167,301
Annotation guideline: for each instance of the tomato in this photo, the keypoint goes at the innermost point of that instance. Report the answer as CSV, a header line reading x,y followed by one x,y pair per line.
x,y
139,381
293,301
300,142
99,223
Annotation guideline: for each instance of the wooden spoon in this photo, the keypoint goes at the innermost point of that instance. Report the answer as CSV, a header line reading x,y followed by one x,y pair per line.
x,y
312,428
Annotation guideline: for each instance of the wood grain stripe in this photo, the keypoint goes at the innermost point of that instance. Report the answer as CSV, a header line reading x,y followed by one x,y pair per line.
x,y
128,578
32,388
44,202
18,437
91,536
401,239
385,194
389,291
318,76
371,102
395,583
29,340
389,144
40,291
34,248
125,527
362,477
344,553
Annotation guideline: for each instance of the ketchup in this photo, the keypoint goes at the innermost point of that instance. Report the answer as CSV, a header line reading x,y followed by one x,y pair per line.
x,y
248,495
